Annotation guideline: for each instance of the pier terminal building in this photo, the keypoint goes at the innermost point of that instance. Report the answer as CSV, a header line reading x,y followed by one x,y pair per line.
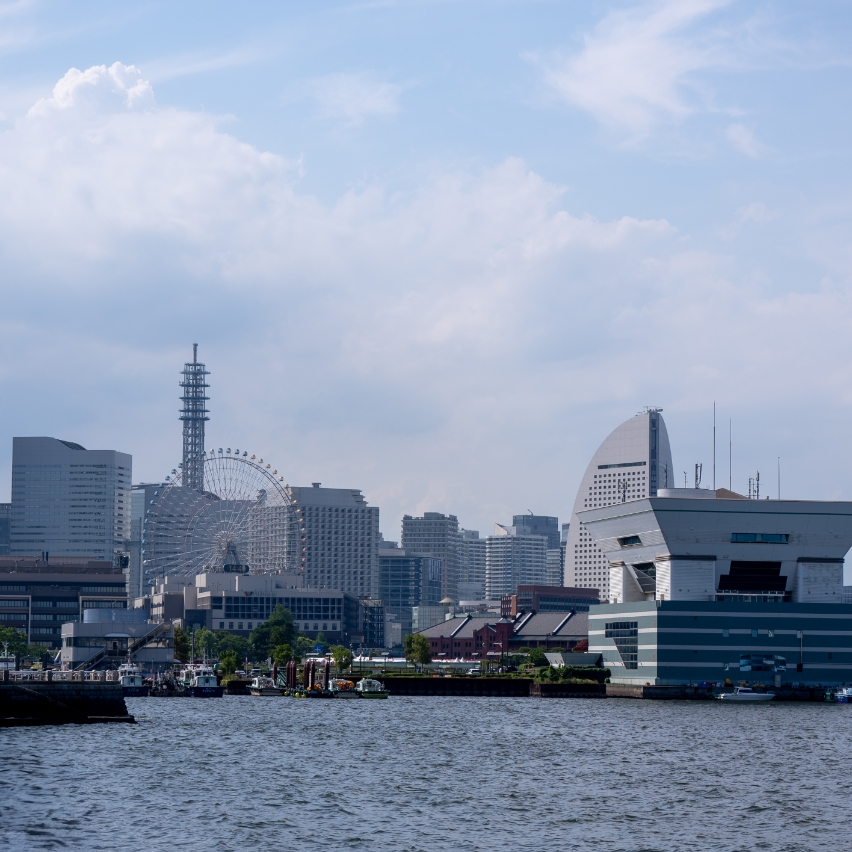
x,y
708,585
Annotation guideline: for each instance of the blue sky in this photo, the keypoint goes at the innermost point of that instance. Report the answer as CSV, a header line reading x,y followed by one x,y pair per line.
x,y
434,250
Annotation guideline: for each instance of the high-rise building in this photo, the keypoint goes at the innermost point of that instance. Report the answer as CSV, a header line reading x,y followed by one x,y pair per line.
x,y
5,527
438,535
554,571
513,556
141,497
471,584
540,525
633,462
407,580
341,539
69,501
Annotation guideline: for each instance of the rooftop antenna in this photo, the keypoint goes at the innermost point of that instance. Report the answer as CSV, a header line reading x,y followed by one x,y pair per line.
x,y
684,480
779,477
194,415
730,453
698,469
714,444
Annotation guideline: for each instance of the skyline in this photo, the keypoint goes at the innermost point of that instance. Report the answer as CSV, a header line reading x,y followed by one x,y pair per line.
x,y
439,276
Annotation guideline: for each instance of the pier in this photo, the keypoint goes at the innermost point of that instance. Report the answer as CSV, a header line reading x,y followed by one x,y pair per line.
x,y
61,698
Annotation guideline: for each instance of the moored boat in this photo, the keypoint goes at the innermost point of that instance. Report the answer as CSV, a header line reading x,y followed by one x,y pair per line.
x,y
132,683
843,695
369,688
341,688
746,693
262,685
202,682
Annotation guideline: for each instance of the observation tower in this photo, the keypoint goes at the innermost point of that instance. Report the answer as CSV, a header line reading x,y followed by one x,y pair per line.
x,y
194,414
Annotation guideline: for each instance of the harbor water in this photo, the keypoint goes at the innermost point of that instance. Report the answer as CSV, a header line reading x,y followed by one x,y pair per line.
x,y
433,774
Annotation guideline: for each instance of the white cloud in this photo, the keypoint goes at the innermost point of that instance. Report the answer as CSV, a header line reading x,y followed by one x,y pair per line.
x,y
634,69
744,141
354,97
98,87
461,347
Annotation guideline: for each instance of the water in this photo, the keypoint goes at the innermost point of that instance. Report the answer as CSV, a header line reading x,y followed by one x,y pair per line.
x,y
433,774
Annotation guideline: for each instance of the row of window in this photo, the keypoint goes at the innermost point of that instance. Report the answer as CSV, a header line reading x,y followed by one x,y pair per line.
x,y
249,625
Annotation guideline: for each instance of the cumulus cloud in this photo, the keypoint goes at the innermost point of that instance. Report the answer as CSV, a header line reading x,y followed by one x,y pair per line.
x,y
634,70
98,87
459,347
352,98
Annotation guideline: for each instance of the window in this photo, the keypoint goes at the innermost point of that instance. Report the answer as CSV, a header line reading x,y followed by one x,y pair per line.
x,y
630,541
239,625
726,633
625,634
754,634
249,626
221,625
760,538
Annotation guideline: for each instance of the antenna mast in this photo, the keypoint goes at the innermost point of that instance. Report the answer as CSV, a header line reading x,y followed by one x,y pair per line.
x,y
714,444
194,414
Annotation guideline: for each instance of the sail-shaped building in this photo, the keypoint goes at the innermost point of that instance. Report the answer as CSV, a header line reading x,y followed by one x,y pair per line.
x,y
633,462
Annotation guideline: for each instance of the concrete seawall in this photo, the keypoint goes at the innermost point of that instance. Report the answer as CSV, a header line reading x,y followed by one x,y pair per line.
x,y
480,686
34,702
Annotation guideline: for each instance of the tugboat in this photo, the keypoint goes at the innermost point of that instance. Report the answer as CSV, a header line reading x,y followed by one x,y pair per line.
x,y
264,686
369,688
132,685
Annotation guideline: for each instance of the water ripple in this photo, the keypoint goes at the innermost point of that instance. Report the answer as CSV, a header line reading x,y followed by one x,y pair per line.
x,y
432,774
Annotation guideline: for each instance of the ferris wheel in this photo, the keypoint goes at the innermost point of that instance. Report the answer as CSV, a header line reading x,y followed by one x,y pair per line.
x,y
225,511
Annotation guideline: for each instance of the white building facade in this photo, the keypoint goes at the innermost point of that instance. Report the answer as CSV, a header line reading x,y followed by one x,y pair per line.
x,y
69,501
513,557
471,585
633,462
341,541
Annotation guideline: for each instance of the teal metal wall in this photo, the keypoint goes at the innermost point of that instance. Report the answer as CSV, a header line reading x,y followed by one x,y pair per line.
x,y
680,642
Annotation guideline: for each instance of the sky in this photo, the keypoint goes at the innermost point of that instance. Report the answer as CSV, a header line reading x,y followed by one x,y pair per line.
x,y
433,250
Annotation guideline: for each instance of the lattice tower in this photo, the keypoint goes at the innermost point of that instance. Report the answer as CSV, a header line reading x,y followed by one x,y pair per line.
x,y
194,414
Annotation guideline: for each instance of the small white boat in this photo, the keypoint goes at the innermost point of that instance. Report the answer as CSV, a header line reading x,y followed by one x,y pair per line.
x,y
132,684
264,686
843,695
205,684
746,693
369,688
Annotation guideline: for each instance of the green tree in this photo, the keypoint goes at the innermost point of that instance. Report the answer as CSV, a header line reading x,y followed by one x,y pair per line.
x,y
181,644
302,647
322,642
229,662
282,654
277,630
15,639
342,657
205,642
537,657
418,649
230,642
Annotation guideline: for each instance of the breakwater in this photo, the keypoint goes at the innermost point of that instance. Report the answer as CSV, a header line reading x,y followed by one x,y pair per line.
x,y
52,698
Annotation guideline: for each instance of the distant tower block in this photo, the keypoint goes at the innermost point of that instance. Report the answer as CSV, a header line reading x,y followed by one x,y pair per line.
x,y
194,414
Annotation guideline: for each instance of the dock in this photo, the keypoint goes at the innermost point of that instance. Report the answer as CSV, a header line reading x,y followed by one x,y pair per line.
x,y
61,698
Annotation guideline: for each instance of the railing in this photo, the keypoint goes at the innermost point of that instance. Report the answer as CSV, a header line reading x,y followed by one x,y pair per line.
x,y
52,676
